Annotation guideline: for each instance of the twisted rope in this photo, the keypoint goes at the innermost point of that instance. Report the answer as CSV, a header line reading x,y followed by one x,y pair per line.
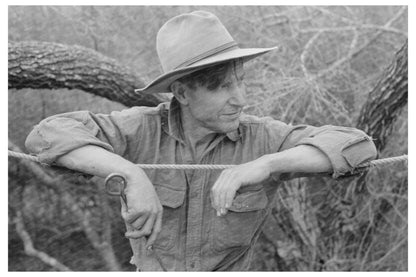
x,y
23,156
385,161
374,163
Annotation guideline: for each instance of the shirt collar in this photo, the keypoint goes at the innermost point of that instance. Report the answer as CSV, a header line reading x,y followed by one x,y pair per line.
x,y
172,124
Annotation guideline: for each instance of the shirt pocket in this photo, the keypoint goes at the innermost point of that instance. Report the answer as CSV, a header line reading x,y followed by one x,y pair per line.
x,y
172,201
238,226
358,151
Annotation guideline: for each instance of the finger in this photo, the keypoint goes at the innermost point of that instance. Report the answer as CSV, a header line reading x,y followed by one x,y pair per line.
x,y
131,216
156,230
145,231
134,234
138,223
229,200
221,204
211,195
216,191
227,189
224,190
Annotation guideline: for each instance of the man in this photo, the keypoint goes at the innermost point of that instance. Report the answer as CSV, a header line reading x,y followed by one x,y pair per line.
x,y
197,219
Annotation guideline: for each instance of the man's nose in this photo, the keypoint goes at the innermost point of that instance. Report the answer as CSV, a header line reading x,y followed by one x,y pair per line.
x,y
238,97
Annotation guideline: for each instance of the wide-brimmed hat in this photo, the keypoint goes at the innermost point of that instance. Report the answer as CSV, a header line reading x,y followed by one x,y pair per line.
x,y
192,41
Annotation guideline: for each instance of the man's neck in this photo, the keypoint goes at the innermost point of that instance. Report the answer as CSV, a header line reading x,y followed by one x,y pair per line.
x,y
196,136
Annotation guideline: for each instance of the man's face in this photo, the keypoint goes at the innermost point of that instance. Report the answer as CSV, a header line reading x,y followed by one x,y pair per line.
x,y
219,110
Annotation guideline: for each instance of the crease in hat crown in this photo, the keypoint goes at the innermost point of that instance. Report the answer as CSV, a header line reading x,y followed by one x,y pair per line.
x,y
191,37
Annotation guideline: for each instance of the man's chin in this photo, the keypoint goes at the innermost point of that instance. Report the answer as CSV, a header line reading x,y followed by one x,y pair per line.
x,y
230,126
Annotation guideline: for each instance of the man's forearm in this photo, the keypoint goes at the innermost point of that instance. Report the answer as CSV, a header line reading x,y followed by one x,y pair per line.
x,y
303,158
97,161
299,159
143,214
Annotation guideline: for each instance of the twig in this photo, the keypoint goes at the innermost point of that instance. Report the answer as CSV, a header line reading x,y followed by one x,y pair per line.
x,y
38,171
30,250
353,28
386,28
336,16
279,14
396,16
391,251
103,247
306,51
353,43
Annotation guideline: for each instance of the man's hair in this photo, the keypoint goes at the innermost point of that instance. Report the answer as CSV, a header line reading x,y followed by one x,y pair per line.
x,y
211,77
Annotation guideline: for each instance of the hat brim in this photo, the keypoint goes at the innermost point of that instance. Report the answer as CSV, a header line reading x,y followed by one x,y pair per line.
x,y
161,84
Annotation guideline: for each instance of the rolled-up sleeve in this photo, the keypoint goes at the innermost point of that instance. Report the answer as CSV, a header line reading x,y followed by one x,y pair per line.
x,y
58,135
345,147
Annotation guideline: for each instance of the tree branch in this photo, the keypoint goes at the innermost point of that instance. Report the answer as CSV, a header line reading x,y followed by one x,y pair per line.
x,y
30,250
45,65
101,244
386,100
352,27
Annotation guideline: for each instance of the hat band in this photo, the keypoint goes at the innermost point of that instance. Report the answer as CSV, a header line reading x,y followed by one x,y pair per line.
x,y
217,50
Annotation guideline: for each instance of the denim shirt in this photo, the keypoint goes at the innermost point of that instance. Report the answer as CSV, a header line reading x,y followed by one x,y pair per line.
x,y
193,237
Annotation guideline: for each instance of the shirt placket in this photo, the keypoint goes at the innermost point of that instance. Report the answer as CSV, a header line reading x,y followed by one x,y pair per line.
x,y
194,214
195,183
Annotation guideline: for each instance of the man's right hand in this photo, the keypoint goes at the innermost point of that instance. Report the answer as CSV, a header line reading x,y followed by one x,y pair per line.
x,y
143,213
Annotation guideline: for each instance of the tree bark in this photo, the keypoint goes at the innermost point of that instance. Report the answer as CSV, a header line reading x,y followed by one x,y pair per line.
x,y
378,115
339,227
45,65
385,101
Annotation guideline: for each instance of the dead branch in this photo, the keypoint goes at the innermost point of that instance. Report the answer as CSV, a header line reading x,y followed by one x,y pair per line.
x,y
305,53
391,251
30,250
353,27
102,245
38,171
45,65
335,15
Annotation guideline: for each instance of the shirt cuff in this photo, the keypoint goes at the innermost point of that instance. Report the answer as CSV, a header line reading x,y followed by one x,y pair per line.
x,y
48,150
344,155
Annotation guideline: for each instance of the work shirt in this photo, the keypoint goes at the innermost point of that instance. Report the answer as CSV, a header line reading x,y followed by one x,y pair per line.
x,y
193,237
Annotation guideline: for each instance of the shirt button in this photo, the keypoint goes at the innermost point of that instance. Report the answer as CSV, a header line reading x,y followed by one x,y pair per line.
x,y
194,194
193,265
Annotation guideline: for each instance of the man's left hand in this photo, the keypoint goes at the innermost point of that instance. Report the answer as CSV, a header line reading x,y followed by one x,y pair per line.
x,y
230,180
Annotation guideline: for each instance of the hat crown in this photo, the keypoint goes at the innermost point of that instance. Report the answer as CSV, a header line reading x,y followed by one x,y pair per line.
x,y
190,37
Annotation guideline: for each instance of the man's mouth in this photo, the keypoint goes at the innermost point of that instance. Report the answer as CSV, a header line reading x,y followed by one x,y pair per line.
x,y
235,114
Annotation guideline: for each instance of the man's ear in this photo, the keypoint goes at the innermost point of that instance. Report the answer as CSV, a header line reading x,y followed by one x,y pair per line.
x,y
179,90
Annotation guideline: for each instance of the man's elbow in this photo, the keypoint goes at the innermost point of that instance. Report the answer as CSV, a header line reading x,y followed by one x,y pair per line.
x,y
362,150
34,142
371,149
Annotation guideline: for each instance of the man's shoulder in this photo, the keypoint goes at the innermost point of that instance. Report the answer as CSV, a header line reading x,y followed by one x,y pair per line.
x,y
147,111
262,124
247,119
